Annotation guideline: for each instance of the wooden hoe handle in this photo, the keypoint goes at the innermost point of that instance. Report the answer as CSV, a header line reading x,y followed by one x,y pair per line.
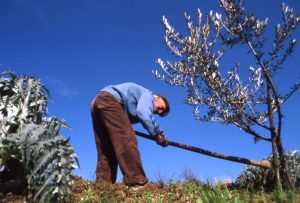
x,y
263,163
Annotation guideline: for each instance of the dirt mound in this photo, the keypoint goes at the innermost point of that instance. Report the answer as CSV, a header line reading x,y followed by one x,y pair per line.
x,y
192,191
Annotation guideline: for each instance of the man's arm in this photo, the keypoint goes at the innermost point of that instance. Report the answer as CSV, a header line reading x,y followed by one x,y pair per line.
x,y
144,112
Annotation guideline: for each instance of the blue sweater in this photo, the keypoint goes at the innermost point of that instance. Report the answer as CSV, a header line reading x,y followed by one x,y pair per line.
x,y
138,102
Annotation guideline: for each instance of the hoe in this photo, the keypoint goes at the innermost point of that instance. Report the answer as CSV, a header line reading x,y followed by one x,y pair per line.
x,y
263,163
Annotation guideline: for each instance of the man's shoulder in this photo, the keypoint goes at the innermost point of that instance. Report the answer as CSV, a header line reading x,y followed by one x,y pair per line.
x,y
128,88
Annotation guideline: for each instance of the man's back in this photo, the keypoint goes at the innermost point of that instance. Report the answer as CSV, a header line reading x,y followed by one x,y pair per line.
x,y
138,104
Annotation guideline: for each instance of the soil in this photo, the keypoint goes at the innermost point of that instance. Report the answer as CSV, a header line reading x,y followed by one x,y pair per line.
x,y
81,186
118,190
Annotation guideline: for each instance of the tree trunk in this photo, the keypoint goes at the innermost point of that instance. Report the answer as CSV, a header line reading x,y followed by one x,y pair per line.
x,y
273,135
276,165
285,171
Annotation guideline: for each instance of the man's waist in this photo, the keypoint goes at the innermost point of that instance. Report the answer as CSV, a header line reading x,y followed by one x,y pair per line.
x,y
113,94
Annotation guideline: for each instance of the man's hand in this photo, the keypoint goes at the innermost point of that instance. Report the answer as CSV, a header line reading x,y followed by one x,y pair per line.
x,y
161,140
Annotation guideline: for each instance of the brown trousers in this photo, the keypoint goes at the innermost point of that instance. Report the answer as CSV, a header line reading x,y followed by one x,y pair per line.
x,y
116,142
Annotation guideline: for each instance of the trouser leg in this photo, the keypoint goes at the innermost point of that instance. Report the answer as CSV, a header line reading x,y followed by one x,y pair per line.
x,y
123,139
107,164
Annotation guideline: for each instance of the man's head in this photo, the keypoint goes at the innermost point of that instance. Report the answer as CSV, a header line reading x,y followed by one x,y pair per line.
x,y
161,105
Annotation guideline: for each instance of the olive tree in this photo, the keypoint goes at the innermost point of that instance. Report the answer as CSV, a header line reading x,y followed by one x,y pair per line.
x,y
35,160
225,97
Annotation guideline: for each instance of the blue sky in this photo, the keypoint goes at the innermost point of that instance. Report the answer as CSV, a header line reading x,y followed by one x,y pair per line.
x,y
77,47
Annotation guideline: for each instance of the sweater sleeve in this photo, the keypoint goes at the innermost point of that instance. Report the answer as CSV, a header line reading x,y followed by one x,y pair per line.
x,y
145,113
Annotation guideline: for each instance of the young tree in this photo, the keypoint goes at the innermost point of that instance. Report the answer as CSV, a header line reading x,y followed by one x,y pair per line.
x,y
34,158
226,98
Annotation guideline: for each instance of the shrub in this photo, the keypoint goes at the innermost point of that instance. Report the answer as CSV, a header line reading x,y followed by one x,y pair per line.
x,y
256,178
34,158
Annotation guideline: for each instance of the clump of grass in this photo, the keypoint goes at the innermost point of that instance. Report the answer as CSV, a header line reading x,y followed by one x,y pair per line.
x,y
88,195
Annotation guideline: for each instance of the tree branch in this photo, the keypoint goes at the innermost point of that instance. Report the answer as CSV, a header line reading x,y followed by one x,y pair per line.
x,y
272,86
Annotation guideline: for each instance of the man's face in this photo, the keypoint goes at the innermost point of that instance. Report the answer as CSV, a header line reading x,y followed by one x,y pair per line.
x,y
159,106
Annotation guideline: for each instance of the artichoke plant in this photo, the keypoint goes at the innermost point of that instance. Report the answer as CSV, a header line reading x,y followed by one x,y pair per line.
x,y
256,178
35,160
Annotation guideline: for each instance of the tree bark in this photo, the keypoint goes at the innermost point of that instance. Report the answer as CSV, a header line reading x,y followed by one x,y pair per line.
x,y
273,134
285,171
276,165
